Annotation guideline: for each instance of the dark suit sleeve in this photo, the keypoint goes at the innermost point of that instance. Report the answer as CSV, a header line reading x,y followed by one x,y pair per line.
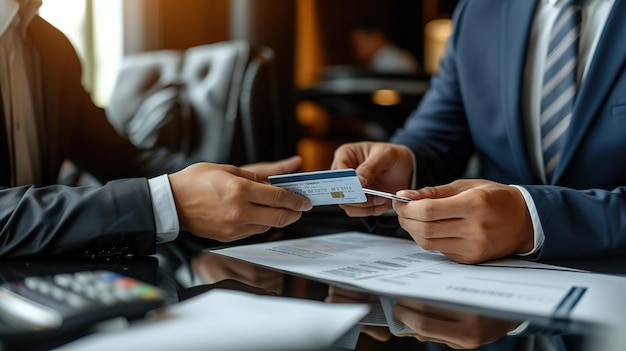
x,y
437,131
586,217
595,221
57,221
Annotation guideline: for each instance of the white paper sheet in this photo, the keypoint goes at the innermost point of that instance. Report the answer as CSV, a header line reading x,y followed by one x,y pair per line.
x,y
232,320
399,267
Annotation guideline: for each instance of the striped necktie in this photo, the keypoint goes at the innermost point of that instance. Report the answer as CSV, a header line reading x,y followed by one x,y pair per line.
x,y
559,82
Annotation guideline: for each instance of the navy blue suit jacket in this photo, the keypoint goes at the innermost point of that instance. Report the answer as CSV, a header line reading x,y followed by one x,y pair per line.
x,y
474,106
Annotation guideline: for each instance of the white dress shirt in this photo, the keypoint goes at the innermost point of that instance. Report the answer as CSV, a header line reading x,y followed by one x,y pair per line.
x,y
17,93
594,16
164,208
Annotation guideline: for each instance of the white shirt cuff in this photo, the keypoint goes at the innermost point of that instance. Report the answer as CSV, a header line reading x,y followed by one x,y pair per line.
x,y
538,234
520,328
164,208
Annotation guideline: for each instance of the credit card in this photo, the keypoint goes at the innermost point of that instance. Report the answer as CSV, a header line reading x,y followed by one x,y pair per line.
x,y
333,187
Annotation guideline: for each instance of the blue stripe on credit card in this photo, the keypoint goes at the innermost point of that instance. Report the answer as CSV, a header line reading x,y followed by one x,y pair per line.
x,y
301,177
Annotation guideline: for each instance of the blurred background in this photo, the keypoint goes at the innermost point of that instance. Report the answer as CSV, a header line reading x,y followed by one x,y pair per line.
x,y
328,86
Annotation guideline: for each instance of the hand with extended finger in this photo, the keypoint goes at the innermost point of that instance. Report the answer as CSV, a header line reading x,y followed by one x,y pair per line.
x,y
470,221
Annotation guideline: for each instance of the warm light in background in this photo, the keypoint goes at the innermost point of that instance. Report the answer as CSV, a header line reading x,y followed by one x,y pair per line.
x,y
313,117
95,29
436,33
386,97
308,55
69,17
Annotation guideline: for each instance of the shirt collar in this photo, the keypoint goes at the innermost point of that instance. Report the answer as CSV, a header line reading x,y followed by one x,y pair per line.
x,y
21,10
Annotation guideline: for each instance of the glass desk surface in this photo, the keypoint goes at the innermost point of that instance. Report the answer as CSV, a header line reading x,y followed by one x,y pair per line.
x,y
183,270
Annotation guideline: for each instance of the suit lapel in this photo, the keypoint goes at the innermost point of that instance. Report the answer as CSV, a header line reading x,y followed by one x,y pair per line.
x,y
608,60
516,21
44,82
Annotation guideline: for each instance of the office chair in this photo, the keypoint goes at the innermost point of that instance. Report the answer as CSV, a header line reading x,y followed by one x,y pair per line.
x,y
211,81
145,98
215,103
190,101
261,126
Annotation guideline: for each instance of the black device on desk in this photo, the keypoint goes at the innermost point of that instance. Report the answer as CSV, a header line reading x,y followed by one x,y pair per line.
x,y
65,302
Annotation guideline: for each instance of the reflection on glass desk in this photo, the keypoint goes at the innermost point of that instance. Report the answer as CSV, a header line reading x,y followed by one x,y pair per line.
x,y
184,270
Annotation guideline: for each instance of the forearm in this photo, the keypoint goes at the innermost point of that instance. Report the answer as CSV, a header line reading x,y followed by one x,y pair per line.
x,y
108,156
579,223
65,221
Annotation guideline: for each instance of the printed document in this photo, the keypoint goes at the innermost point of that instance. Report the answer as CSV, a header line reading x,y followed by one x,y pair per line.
x,y
399,267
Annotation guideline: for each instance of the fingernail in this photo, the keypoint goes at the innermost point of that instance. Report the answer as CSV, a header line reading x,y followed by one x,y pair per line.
x,y
306,206
405,193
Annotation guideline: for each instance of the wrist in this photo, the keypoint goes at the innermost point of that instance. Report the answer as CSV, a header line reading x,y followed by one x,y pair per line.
x,y
536,229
